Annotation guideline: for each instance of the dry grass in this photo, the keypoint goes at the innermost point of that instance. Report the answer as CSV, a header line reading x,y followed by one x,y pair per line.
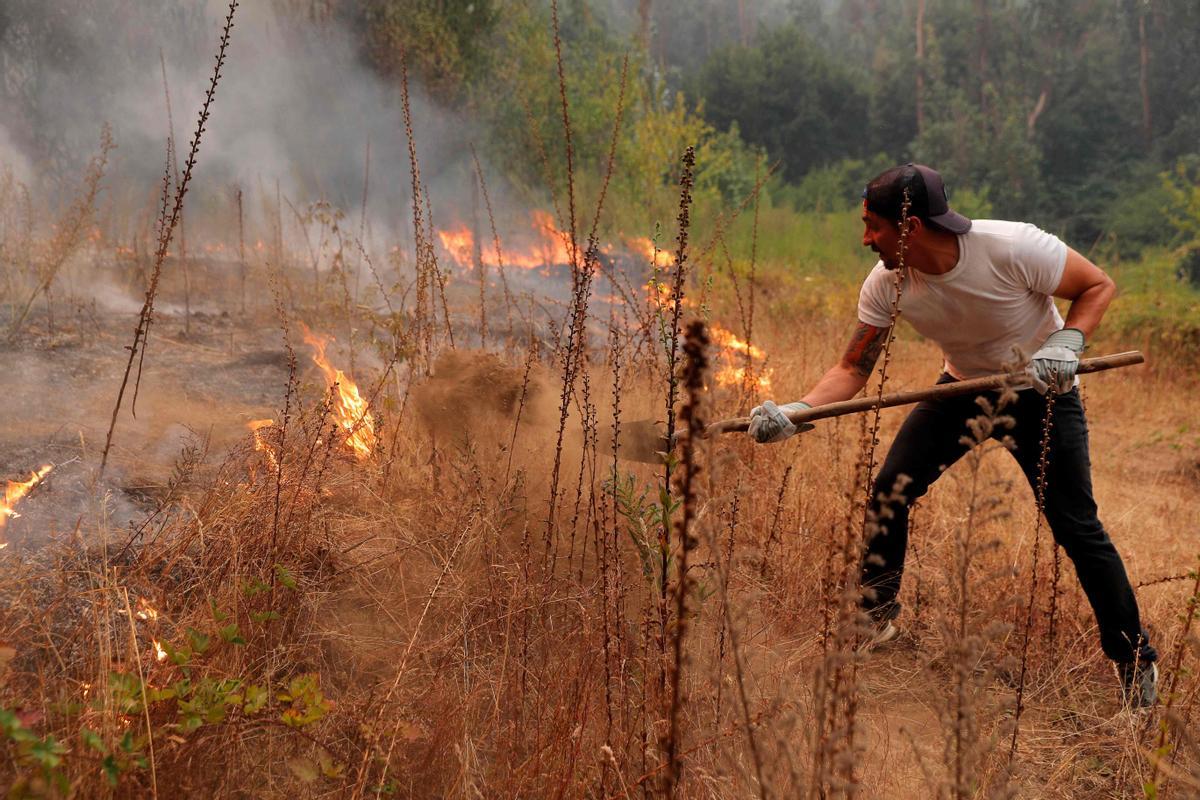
x,y
492,604
416,587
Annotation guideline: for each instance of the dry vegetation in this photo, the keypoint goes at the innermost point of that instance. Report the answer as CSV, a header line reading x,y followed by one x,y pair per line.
x,y
459,590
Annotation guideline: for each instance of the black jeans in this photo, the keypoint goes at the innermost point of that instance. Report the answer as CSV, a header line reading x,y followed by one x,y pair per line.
x,y
930,441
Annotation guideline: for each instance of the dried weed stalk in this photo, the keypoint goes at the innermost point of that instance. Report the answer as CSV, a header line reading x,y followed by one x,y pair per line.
x,y
146,314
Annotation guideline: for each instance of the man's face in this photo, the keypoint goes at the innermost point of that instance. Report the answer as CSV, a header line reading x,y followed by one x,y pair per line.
x,y
882,236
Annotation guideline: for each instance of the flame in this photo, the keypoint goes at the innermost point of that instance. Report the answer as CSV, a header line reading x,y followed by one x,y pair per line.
x,y
647,249
159,653
658,294
350,408
555,244
460,244
260,444
739,376
15,490
736,355
739,357
146,611
727,340
547,246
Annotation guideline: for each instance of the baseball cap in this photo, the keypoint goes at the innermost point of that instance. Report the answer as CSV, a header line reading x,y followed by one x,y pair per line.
x,y
926,193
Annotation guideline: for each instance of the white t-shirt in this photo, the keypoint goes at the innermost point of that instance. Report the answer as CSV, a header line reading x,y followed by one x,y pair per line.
x,y
996,297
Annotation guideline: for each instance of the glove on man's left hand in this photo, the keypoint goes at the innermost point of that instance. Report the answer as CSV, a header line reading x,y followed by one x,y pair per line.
x,y
1055,363
769,422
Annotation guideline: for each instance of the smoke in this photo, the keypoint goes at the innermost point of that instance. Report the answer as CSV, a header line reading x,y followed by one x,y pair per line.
x,y
295,105
12,159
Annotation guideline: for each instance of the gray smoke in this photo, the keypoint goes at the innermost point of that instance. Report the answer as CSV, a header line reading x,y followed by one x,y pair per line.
x,y
295,104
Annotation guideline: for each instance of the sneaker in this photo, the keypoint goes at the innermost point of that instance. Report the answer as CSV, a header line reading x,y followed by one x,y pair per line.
x,y
881,633
1139,684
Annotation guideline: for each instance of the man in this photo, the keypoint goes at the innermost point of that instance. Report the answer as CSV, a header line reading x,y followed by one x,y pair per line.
x,y
979,289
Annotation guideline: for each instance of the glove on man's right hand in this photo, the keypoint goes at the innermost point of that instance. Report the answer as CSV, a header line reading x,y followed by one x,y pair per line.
x,y
769,422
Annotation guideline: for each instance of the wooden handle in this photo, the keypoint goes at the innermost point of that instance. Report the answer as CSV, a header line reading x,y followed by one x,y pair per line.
x,y
972,386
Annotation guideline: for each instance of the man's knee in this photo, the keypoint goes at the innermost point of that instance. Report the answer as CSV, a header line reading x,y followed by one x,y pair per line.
x,y
1080,538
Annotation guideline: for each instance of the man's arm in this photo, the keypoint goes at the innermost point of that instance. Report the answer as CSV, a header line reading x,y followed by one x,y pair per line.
x,y
847,378
1088,288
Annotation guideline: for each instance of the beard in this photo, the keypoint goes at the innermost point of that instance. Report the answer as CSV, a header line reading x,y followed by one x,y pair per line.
x,y
889,263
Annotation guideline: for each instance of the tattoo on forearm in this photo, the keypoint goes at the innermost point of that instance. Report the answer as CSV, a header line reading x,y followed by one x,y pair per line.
x,y
865,346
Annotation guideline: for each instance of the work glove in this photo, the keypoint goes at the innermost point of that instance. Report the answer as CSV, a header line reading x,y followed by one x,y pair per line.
x,y
1054,365
769,422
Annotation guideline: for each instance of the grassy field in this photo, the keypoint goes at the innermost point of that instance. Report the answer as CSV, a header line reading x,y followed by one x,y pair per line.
x,y
484,602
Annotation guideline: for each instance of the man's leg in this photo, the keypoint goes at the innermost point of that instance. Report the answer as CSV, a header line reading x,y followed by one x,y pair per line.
x,y
928,443
1071,511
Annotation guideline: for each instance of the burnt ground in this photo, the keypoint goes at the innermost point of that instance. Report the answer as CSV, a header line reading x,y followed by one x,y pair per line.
x,y
59,385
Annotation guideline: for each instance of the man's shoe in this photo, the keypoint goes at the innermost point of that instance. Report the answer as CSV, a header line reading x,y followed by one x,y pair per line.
x,y
1139,684
881,633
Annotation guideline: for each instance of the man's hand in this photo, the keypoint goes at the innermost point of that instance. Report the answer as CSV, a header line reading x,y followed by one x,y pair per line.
x,y
1054,365
769,422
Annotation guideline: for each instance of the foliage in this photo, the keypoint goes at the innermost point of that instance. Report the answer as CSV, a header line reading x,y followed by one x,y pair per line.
x,y
446,43
1037,105
194,697
788,96
519,102
1182,188
833,187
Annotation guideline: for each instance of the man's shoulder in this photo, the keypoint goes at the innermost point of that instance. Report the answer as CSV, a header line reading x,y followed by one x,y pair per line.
x,y
998,229
999,240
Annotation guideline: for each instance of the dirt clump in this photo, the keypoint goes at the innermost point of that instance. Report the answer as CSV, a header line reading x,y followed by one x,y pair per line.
x,y
469,391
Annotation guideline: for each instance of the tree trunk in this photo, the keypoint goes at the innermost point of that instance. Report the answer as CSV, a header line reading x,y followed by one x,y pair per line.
x,y
920,66
644,24
983,33
1144,77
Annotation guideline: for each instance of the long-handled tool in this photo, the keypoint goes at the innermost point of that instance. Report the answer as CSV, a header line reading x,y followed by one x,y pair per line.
x,y
956,389
644,440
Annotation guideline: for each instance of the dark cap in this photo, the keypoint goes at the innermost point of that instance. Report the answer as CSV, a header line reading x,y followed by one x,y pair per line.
x,y
926,193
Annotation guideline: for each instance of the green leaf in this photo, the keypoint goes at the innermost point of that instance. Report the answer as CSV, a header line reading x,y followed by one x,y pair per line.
x,y
199,641
285,576
254,586
92,739
47,752
111,770
231,634
264,616
154,695
256,698
181,656
9,722
307,702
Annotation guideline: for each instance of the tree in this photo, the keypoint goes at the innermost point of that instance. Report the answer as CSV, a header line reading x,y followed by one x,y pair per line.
x,y
787,95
